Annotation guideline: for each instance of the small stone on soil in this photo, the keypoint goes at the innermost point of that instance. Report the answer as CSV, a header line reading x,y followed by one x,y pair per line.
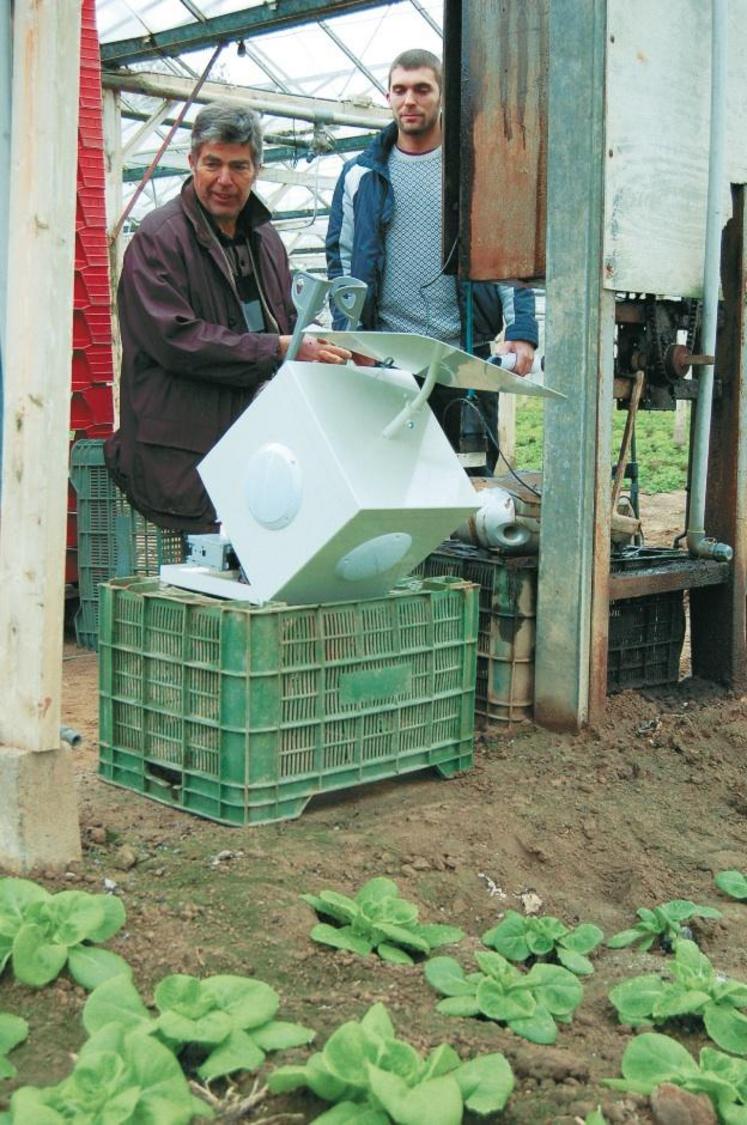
x,y
124,858
673,1106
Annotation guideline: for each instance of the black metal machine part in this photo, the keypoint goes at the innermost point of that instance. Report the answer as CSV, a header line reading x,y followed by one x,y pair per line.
x,y
649,338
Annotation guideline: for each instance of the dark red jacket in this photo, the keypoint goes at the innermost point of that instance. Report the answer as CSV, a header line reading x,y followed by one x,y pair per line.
x,y
189,367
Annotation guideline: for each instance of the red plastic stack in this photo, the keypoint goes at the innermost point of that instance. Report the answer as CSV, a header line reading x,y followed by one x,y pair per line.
x,y
91,405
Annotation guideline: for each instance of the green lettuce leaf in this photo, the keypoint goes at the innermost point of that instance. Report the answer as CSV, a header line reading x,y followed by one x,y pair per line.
x,y
90,966
485,1083
36,960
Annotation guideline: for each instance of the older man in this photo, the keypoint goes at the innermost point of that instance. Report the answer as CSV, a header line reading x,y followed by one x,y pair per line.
x,y
205,313
385,228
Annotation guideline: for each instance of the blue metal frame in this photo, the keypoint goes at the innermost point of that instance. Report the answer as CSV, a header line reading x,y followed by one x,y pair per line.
x,y
259,20
278,154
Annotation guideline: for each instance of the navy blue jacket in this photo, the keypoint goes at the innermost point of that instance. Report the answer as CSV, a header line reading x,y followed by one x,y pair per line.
x,y
361,211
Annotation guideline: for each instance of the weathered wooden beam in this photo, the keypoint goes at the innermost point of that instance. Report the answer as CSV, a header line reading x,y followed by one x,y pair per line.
x,y
719,615
38,817
572,610
692,574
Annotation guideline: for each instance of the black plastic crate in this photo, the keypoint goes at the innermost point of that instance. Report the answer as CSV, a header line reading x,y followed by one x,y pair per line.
x,y
645,640
645,634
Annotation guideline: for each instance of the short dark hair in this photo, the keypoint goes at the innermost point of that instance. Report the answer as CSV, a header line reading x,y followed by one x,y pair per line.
x,y
413,60
226,123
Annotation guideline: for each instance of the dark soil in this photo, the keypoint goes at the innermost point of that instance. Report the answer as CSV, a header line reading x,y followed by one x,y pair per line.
x,y
644,808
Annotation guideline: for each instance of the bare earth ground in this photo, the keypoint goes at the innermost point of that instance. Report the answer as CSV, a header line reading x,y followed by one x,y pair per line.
x,y
644,808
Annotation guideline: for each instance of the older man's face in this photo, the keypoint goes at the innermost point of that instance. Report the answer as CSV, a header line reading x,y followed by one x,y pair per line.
x,y
224,175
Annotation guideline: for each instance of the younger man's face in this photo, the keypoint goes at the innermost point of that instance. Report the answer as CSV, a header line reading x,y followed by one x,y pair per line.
x,y
415,100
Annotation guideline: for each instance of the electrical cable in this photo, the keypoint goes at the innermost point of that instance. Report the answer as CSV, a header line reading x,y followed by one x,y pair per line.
x,y
475,406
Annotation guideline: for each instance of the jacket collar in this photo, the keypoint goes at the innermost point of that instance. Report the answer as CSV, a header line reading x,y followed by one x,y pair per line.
x,y
377,154
254,214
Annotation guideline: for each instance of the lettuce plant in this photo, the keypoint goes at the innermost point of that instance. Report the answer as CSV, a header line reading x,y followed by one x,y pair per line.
x,y
696,990
662,924
121,1076
732,883
13,1030
528,1003
227,1020
377,919
374,1078
521,939
41,933
651,1059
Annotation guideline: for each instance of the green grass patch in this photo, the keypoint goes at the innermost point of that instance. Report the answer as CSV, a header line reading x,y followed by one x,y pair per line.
x,y
662,464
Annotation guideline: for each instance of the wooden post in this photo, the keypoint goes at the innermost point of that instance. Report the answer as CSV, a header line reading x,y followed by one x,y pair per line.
x,y
680,427
38,818
5,65
572,609
5,103
718,613
506,431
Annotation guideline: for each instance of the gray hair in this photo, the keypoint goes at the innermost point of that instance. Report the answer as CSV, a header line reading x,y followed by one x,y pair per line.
x,y
229,124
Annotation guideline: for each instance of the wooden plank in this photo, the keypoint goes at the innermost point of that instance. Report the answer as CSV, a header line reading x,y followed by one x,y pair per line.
x,y
36,366
5,98
506,431
719,616
495,136
658,113
694,574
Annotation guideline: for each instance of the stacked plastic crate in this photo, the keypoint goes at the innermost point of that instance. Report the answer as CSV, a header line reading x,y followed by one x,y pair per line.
x,y
92,405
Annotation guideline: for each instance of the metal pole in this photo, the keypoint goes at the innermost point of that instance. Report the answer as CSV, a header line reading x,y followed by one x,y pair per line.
x,y
697,542
324,111
469,318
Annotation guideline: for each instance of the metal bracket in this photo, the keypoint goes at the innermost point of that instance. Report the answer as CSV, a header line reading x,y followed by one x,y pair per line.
x,y
349,295
308,293
415,405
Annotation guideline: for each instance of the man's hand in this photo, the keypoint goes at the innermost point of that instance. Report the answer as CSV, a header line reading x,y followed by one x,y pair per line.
x,y
361,360
316,350
524,352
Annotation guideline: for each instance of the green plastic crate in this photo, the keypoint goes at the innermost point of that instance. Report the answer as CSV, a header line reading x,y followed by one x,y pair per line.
x,y
242,714
113,539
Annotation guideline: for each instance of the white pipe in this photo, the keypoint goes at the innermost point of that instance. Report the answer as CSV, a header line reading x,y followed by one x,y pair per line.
x,y
698,543
321,110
